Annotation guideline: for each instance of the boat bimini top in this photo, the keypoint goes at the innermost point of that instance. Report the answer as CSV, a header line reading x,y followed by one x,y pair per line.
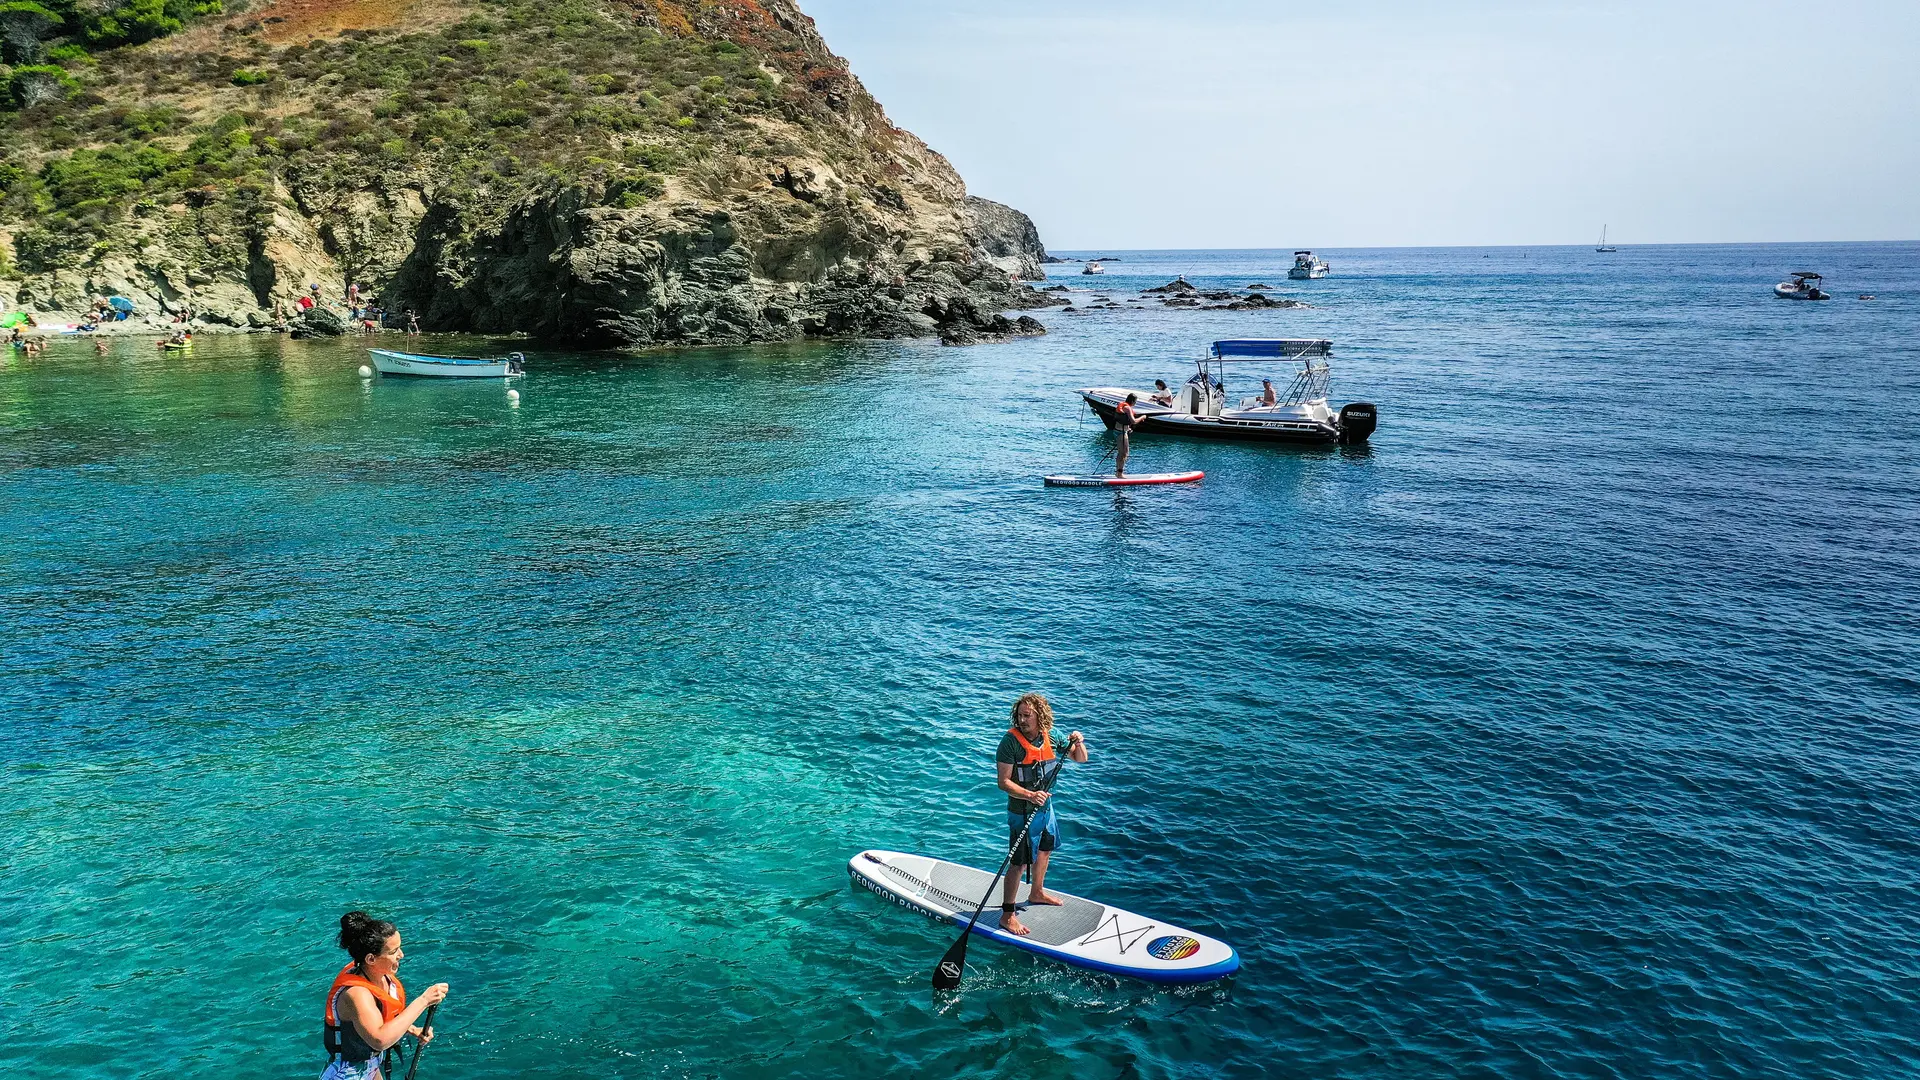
x,y
1273,349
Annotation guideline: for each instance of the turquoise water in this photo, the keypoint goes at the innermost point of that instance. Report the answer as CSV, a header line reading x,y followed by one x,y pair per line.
x,y
1568,729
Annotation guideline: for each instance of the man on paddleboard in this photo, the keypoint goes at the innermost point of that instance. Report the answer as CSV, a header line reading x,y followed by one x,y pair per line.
x,y
1025,751
1125,419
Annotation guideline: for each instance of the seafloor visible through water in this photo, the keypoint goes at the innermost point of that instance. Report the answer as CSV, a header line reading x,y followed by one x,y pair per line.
x,y
1570,729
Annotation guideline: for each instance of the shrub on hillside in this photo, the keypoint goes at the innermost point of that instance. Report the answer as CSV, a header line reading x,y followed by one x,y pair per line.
x,y
22,26
34,84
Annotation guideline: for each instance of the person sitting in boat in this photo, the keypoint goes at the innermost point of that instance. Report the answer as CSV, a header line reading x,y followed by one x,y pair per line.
x,y
1021,761
367,1010
1267,396
1161,395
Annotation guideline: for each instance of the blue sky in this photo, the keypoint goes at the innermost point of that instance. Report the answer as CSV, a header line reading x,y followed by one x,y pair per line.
x,y
1231,123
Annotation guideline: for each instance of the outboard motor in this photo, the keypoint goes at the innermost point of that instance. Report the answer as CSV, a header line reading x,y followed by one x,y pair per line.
x,y
1357,421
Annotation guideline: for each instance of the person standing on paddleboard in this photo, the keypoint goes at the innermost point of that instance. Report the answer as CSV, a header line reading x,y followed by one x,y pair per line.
x,y
367,1009
1024,751
1125,419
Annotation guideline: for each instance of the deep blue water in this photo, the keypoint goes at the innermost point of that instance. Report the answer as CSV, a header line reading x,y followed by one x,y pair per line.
x,y
1569,729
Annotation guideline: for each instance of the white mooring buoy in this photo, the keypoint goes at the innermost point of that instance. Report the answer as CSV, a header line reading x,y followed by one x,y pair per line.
x,y
366,372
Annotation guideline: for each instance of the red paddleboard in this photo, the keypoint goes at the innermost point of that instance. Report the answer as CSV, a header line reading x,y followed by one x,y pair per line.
x,y
1136,480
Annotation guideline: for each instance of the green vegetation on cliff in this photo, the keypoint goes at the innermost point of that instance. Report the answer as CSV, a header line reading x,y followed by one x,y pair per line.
x,y
519,91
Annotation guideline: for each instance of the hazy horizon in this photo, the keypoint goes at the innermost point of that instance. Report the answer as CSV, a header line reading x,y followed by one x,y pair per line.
x,y
1491,123
1472,247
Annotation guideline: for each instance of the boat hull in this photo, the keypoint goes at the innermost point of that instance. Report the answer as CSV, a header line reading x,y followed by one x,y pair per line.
x,y
1787,292
409,365
1298,274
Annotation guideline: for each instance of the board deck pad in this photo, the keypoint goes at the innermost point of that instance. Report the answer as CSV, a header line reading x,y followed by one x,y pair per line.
x,y
1079,932
1136,480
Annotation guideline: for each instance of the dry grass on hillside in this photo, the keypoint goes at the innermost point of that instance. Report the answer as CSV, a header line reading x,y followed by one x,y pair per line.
x,y
293,22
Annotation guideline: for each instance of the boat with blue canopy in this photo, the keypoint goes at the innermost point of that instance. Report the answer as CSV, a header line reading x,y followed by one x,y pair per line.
x,y
1202,409
388,362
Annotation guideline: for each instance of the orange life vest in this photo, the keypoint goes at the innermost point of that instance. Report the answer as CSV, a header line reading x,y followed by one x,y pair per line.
x,y
391,1005
1035,754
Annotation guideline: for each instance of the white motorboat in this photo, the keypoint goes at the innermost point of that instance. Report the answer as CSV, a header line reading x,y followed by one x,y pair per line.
x,y
1804,286
1307,266
1094,267
387,362
1201,408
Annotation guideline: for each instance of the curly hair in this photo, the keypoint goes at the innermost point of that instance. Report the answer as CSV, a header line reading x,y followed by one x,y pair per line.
x,y
1040,709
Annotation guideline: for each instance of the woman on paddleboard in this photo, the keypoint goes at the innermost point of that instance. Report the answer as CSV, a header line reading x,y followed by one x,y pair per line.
x,y
367,1008
1024,750
1125,419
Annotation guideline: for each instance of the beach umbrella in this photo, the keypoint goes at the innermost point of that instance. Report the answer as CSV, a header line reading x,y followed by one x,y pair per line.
x,y
121,303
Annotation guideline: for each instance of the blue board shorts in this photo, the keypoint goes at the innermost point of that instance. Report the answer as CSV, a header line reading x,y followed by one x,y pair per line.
x,y
1044,836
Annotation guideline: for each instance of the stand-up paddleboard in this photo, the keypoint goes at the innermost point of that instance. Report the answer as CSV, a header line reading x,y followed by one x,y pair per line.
x,y
1079,932
1125,481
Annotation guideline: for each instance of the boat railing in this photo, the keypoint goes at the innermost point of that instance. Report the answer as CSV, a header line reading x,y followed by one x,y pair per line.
x,y
1309,384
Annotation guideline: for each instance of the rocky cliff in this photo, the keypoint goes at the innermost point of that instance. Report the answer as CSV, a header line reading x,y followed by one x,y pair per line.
x,y
627,172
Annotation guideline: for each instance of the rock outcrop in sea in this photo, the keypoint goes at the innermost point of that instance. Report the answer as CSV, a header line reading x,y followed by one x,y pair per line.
x,y
636,173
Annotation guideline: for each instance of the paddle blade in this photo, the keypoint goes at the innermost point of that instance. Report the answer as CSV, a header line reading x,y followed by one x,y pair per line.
x,y
946,974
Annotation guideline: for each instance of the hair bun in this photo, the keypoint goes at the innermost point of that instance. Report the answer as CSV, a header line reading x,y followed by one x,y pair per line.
x,y
361,934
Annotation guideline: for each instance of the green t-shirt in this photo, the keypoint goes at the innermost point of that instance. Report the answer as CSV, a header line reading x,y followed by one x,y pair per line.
x,y
1027,776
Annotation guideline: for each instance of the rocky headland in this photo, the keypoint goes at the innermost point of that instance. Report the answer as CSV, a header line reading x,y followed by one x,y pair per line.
x,y
626,172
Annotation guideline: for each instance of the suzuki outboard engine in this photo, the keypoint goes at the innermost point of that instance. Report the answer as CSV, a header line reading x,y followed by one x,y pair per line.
x,y
1357,421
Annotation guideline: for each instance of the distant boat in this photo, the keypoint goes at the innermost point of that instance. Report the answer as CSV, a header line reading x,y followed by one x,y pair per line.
x,y
1804,286
1307,266
448,367
1094,267
1603,245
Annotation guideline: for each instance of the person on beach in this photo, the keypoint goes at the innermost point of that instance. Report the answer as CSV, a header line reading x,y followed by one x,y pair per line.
x,y
367,1009
413,323
1125,419
1024,750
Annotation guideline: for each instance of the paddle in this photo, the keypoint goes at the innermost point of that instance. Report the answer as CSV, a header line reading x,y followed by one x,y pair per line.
x,y
946,974
420,1045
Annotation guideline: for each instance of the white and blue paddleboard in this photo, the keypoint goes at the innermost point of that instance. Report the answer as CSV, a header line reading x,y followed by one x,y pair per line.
x,y
1078,932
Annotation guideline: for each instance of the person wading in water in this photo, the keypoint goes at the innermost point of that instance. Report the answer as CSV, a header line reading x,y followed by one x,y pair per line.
x,y
1023,750
367,1010
1125,419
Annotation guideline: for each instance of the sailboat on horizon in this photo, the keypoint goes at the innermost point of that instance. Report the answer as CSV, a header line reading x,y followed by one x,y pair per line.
x,y
1603,245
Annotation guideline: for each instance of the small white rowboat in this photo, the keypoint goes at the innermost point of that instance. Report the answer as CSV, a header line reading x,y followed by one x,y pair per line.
x,y
447,367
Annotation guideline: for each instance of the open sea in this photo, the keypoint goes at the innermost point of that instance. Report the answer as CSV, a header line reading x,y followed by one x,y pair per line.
x,y
1571,728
